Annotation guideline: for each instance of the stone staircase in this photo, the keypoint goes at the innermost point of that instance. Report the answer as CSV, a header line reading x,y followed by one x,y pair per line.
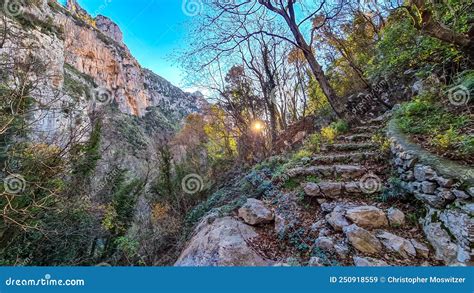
x,y
341,219
325,210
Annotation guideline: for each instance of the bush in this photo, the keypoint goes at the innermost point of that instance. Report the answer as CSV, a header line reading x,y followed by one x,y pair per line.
x,y
329,134
340,126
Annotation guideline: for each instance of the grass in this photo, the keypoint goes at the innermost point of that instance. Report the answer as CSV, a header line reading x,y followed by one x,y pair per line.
x,y
439,130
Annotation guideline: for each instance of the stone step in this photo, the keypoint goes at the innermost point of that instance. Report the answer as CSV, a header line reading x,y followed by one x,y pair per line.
x,y
355,157
331,189
347,147
356,137
366,129
374,121
333,171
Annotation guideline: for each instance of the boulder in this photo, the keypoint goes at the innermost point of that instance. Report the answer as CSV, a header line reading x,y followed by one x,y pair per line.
x,y
254,212
396,217
221,242
362,239
421,250
397,244
337,220
368,262
367,217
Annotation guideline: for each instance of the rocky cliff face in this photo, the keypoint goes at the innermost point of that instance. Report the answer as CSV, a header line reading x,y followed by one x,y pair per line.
x,y
95,48
88,71
87,63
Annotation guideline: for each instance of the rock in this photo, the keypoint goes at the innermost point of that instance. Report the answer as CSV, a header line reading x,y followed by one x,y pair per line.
x,y
369,262
432,200
342,250
397,244
349,171
330,189
315,262
396,217
463,255
324,243
352,187
457,223
443,182
362,239
337,220
424,173
461,194
280,224
318,225
367,217
254,212
321,200
224,242
470,190
410,163
446,194
324,232
293,262
312,189
421,249
109,28
408,176
444,248
327,207
414,187
428,187
281,264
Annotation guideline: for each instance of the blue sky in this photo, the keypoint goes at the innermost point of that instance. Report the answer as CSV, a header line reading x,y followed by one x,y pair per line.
x,y
152,29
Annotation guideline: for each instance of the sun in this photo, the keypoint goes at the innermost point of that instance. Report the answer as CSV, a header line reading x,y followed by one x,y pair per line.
x,y
258,126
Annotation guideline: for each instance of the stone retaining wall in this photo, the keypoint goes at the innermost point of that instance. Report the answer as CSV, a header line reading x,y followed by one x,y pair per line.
x,y
447,191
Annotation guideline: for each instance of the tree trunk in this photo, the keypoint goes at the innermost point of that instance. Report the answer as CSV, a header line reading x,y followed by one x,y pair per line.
x,y
316,68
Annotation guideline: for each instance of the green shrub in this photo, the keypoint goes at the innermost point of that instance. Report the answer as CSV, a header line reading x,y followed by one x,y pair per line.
x,y
341,126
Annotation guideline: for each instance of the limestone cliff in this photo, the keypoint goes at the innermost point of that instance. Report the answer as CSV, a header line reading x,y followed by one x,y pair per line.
x,y
86,71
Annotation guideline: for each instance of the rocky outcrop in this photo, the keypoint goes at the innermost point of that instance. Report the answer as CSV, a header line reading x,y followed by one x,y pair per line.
x,y
221,242
109,28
